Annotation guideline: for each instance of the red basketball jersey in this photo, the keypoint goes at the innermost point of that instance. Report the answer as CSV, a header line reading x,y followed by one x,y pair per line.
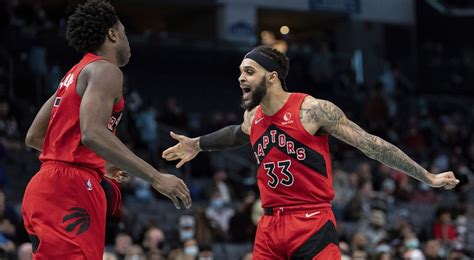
x,y
294,167
63,137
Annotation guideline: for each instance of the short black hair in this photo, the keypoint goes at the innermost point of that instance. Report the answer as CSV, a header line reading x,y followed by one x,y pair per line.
x,y
88,25
277,56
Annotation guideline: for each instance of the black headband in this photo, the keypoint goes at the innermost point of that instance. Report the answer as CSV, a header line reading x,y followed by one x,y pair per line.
x,y
267,63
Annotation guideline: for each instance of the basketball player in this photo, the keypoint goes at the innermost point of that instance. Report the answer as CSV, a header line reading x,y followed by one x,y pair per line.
x,y
64,206
289,136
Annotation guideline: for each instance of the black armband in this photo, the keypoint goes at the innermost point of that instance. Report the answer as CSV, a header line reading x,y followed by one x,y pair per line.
x,y
228,137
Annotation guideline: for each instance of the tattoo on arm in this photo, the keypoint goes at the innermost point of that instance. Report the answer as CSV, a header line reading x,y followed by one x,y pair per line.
x,y
332,119
321,111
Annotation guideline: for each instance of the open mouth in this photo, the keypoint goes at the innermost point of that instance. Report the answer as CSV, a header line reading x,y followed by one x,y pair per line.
x,y
246,92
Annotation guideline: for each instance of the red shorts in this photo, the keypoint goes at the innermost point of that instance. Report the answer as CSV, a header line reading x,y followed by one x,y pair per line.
x,y
297,233
64,211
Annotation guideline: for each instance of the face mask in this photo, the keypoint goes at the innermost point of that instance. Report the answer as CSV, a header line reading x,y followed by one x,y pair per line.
x,y
206,258
412,243
217,203
191,250
186,234
135,257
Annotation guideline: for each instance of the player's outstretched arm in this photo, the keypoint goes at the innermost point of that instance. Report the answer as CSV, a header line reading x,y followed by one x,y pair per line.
x,y
37,131
331,118
229,137
104,88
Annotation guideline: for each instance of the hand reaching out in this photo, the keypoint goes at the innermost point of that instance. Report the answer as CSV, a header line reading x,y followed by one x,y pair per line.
x,y
185,150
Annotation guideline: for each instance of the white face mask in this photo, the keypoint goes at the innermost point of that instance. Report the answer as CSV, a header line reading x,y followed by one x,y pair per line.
x,y
205,258
186,234
191,250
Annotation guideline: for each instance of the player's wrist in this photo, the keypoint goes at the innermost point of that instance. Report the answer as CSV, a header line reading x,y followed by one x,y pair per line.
x,y
429,178
157,179
197,144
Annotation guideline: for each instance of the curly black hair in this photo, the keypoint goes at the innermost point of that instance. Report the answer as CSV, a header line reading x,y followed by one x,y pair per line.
x,y
277,56
88,25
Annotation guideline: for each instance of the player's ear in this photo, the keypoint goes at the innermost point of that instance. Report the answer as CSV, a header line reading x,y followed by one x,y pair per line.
x,y
113,34
272,76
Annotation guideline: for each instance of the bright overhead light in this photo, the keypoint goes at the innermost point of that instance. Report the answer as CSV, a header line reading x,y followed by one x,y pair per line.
x,y
284,30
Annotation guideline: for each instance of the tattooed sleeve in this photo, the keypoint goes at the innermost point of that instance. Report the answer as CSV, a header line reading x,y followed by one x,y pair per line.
x,y
331,118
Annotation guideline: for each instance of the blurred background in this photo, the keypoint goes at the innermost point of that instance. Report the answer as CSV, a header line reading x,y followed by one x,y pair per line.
x,y
402,69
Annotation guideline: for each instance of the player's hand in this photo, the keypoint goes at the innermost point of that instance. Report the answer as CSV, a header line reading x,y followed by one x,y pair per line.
x,y
173,188
186,149
115,173
445,179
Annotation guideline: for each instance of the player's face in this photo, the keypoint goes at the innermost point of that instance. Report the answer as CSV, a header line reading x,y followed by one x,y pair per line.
x,y
252,83
123,47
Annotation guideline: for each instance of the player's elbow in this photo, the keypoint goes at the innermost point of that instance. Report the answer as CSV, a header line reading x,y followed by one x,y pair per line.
x,y
88,138
29,139
32,140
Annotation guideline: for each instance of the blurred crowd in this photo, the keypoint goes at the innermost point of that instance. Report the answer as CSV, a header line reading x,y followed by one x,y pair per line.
x,y
381,213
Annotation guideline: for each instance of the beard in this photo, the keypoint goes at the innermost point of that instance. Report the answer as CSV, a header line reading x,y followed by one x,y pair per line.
x,y
257,96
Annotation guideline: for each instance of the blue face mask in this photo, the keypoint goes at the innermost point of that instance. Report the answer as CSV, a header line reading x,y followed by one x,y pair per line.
x,y
191,250
186,234
217,203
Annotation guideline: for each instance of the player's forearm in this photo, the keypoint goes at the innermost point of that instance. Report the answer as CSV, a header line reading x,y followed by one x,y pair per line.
x,y
228,137
395,158
105,144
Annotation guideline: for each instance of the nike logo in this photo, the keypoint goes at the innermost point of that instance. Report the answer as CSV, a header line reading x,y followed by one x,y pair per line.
x,y
308,215
258,120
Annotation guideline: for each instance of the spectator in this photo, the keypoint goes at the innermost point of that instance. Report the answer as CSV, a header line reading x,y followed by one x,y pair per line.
x,y
220,183
358,242
191,248
187,227
345,250
135,252
219,214
188,251
374,231
359,206
412,245
432,250
444,229
109,256
154,237
205,252
123,243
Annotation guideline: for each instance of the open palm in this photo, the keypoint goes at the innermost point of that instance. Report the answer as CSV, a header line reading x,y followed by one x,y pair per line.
x,y
185,150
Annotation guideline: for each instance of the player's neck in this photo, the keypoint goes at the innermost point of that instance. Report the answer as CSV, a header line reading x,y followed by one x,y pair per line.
x,y
108,55
273,101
